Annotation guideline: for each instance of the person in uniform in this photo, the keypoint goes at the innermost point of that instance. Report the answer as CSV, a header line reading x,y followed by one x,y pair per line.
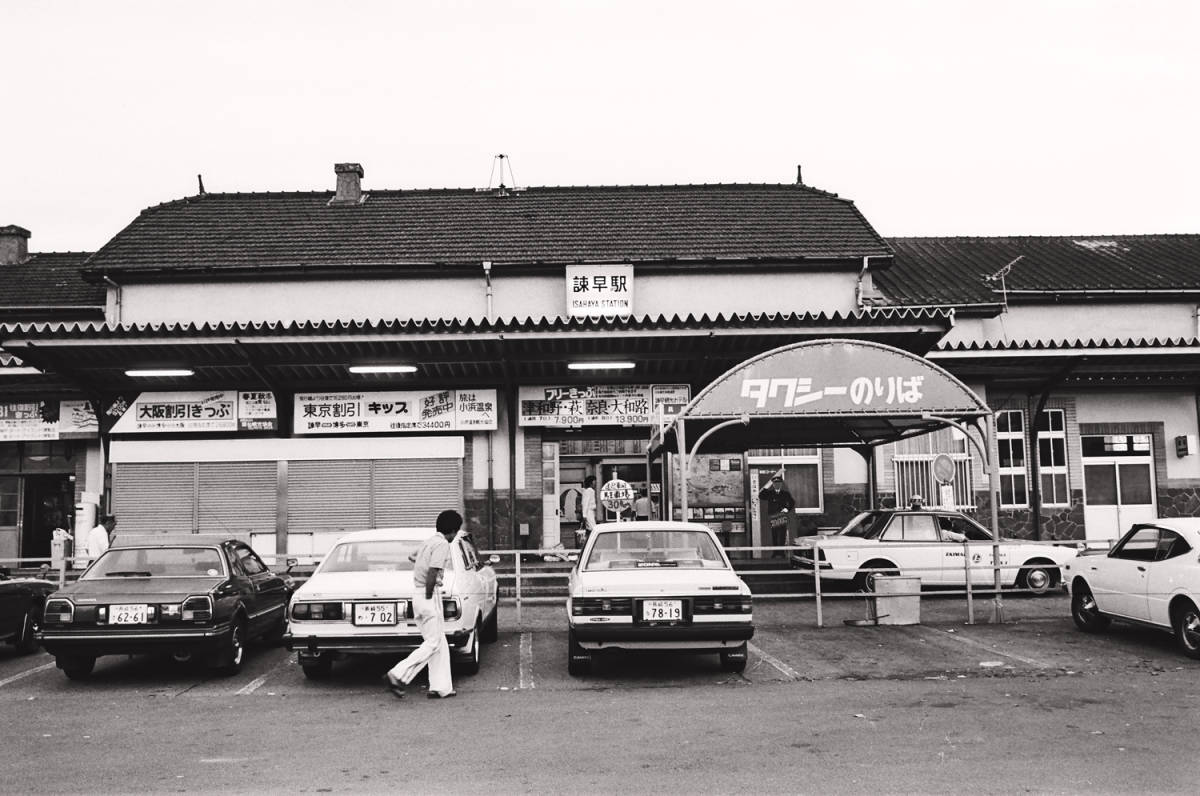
x,y
432,558
778,503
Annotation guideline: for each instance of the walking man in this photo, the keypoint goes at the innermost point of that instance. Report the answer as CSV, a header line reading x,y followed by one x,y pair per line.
x,y
432,558
100,537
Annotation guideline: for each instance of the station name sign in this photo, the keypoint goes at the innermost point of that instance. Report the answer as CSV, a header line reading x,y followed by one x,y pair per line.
x,y
599,290
599,404
227,411
394,411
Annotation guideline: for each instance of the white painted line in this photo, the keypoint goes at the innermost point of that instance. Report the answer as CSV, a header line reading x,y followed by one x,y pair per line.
x,y
973,643
526,676
787,671
26,673
252,686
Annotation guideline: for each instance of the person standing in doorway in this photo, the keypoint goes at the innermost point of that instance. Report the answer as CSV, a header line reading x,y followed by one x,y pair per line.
x,y
587,510
100,537
778,503
431,560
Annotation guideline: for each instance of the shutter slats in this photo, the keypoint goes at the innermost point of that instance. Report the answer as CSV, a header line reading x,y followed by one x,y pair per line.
x,y
414,491
154,498
328,495
237,498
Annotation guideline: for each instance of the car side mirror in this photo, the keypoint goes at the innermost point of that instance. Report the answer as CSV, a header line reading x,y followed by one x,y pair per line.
x,y
493,559
291,562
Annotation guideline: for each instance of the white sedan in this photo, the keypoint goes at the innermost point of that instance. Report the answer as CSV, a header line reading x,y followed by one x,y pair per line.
x,y
359,600
939,547
1150,577
656,585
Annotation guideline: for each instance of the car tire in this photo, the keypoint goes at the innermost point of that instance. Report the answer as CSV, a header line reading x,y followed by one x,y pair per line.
x,y
235,651
1039,579
491,626
864,581
468,663
26,641
76,667
734,660
579,660
1084,611
318,669
1187,629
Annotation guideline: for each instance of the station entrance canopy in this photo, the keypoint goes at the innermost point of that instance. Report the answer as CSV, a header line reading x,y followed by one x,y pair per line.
x,y
830,392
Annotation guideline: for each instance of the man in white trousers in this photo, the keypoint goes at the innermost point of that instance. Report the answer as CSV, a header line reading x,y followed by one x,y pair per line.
x,y
432,558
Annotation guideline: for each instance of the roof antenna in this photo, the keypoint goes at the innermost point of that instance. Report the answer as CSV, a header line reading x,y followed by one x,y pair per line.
x,y
200,179
502,189
999,275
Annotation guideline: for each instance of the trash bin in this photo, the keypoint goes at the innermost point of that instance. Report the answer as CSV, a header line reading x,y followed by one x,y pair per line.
x,y
896,601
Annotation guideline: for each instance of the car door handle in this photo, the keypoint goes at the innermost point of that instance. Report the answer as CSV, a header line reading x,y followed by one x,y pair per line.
x,y
1141,569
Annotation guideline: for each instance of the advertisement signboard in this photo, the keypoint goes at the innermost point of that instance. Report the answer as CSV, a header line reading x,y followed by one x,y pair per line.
x,y
394,411
24,422
597,404
218,411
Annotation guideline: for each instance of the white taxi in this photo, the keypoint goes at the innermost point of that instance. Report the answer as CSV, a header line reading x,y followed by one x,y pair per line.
x,y
1150,577
359,601
656,585
939,547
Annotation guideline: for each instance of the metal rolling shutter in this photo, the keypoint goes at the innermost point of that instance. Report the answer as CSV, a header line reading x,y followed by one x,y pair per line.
x,y
328,495
414,491
237,498
154,498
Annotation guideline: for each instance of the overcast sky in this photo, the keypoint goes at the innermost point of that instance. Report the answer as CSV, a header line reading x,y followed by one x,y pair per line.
x,y
936,118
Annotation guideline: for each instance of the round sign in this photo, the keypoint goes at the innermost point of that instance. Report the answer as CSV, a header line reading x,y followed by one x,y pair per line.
x,y
617,495
943,469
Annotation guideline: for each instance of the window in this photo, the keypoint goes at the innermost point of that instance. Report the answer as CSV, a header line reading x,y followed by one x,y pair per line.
x,y
1170,545
801,473
1010,443
962,527
912,468
912,528
1052,457
251,564
1142,545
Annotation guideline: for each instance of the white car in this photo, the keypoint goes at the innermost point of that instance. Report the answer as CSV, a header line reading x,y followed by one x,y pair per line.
x,y
656,585
359,601
1150,577
936,546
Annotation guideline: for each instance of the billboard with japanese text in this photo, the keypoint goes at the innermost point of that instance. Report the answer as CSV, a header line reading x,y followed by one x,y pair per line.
x,y
196,411
394,411
597,404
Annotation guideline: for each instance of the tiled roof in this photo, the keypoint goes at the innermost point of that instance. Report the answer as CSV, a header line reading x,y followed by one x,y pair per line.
x,y
955,270
462,226
48,280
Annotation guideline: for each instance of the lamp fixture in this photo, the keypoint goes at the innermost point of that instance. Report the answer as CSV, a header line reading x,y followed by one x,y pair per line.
x,y
383,368
600,365
158,373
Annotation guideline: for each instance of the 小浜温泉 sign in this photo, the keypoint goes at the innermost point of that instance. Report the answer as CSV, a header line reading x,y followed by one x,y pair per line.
x,y
394,411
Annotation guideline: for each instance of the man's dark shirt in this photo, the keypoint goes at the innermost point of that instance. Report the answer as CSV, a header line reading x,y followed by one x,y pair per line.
x,y
776,501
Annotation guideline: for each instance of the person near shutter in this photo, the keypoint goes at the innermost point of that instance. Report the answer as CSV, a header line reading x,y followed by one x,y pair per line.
x,y
100,537
431,560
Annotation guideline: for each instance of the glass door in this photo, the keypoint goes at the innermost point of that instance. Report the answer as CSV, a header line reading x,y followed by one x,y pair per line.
x,y
1118,484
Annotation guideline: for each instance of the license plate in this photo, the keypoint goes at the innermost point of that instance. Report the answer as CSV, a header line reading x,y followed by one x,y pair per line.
x,y
127,615
377,613
662,610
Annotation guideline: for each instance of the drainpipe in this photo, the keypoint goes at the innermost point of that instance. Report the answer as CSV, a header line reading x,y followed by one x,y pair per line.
x,y
116,298
858,286
491,464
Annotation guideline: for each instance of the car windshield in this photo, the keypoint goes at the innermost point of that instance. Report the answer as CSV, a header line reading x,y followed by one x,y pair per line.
x,y
649,549
380,555
867,525
157,562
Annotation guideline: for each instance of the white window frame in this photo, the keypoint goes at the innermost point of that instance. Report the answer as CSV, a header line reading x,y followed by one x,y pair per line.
x,y
1050,469
1021,472
795,458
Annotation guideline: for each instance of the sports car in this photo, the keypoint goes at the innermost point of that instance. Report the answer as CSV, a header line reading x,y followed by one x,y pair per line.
x,y
656,585
359,601
1150,577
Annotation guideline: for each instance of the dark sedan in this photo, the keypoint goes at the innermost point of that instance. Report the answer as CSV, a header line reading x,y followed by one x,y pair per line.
x,y
182,596
22,602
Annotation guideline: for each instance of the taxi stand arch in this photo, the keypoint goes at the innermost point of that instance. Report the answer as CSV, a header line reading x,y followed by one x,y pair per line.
x,y
831,393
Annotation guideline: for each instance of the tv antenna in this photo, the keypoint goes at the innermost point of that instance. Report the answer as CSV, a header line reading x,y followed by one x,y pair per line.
x,y
498,164
999,276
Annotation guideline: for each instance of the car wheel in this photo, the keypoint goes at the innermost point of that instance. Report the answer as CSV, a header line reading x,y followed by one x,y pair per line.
x,y
579,660
734,660
1039,578
469,662
865,579
491,626
1187,630
76,667
235,651
1085,612
318,668
27,639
